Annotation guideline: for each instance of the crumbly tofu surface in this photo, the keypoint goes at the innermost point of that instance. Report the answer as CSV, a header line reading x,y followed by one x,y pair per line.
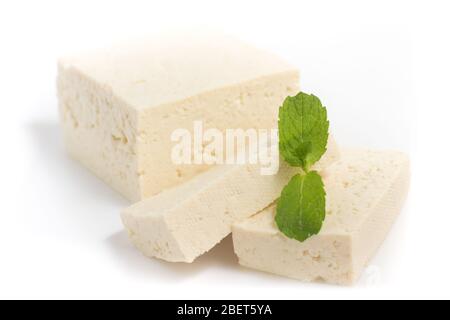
x,y
365,193
180,224
120,105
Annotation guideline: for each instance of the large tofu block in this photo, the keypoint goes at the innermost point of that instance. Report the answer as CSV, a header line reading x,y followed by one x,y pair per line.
x,y
365,193
180,224
120,105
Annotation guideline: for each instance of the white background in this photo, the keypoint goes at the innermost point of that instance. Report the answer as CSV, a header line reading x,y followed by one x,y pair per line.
x,y
381,68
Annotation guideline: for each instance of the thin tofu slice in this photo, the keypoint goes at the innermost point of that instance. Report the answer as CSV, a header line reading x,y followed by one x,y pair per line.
x,y
182,223
365,193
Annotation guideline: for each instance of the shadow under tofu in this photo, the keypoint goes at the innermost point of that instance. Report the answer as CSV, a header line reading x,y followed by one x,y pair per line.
x,y
58,164
221,256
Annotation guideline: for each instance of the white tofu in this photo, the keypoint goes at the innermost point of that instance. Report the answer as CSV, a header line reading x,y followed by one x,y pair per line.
x,y
180,224
365,193
120,105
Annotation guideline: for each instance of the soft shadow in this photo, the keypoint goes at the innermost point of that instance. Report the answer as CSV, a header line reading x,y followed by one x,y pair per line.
x,y
59,165
221,256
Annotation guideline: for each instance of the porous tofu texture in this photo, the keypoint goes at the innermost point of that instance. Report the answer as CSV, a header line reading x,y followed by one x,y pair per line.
x,y
365,193
120,105
180,224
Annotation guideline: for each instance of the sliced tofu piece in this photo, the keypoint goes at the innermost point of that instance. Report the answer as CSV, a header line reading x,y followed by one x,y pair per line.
x,y
180,224
365,193
120,105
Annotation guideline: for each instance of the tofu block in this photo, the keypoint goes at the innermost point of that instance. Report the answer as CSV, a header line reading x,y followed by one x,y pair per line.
x,y
365,193
120,105
180,224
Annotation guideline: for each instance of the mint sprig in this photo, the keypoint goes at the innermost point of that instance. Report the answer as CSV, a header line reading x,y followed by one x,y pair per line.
x,y
303,129
301,207
303,135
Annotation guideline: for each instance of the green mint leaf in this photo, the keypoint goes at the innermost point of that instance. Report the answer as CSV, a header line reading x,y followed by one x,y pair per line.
x,y
301,207
303,130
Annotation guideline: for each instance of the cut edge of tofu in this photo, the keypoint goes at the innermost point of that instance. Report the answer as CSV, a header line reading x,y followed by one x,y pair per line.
x,y
152,214
391,203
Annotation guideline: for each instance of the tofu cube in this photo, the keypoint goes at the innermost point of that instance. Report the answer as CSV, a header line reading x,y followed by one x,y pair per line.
x,y
120,105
